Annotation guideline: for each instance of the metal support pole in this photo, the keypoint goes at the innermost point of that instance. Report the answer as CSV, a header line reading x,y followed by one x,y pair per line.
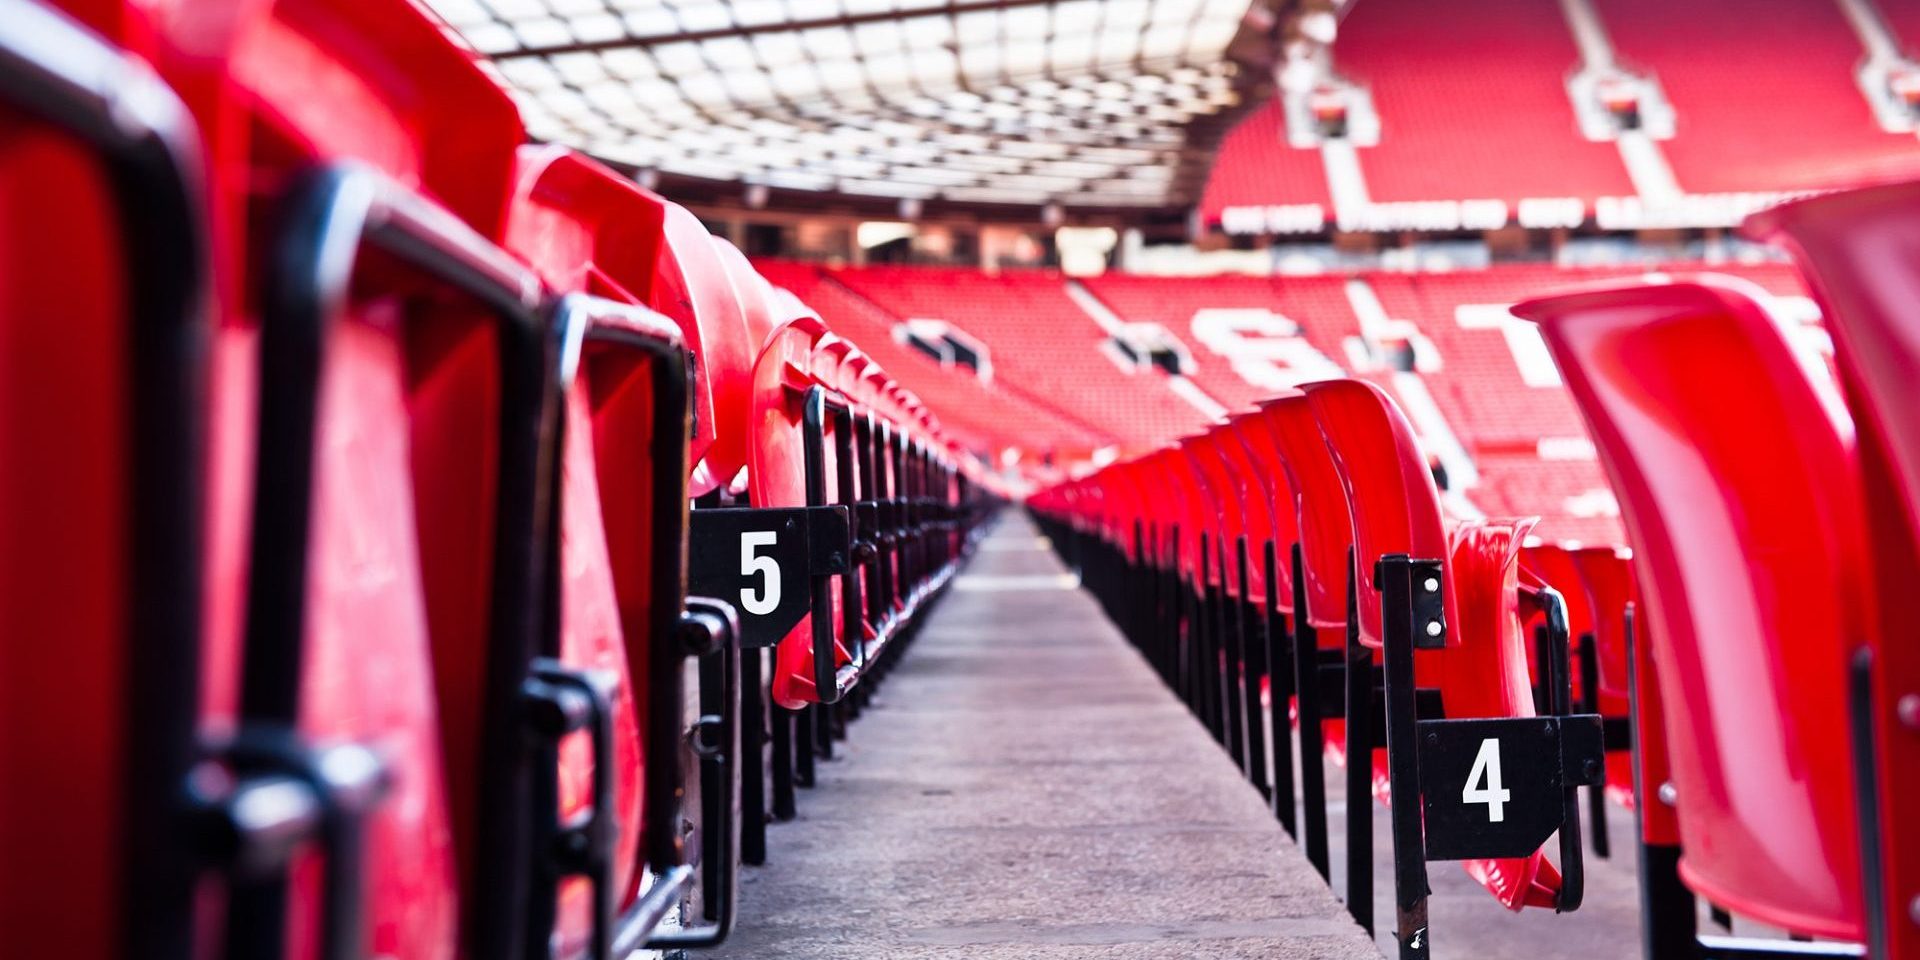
x,y
1590,703
1253,666
1306,688
1410,888
1280,690
1360,712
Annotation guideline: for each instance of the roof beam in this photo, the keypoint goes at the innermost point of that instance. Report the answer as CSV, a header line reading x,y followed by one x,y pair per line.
x,y
952,8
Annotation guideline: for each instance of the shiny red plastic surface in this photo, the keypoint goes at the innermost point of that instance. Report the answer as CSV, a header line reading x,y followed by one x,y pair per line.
x,y
1739,491
1319,504
1481,671
1858,250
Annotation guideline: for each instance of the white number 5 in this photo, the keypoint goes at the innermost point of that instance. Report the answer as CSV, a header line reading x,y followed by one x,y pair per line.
x,y
767,599
1486,772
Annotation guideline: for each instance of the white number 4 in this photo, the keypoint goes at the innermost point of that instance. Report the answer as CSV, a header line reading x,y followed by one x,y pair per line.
x,y
1486,772
767,598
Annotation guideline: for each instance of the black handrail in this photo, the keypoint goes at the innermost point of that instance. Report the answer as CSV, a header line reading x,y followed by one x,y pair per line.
x,y
56,72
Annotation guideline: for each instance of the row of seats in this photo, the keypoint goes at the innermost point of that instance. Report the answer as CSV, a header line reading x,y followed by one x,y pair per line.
x,y
351,602
1740,677
1474,105
1257,544
1442,341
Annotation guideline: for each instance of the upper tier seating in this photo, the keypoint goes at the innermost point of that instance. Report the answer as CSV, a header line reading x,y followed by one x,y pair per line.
x,y
1255,167
1472,102
1903,23
1774,107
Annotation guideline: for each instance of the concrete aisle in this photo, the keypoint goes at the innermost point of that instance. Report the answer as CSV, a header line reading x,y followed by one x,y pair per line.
x,y
1024,787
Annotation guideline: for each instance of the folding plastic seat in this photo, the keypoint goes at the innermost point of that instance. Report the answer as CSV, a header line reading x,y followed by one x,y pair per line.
x,y
692,286
1178,557
1558,565
1606,575
1319,567
303,633
1216,517
1552,564
104,326
1245,548
751,291
1193,518
795,443
1852,247
592,236
1273,531
1595,582
1320,510
1322,523
1476,655
403,462
1739,488
859,378
841,368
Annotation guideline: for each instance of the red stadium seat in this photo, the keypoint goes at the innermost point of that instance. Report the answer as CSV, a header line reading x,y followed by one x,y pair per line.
x,y
1845,243
1748,539
1321,566
692,286
1320,508
621,507
403,400
786,401
1606,576
1481,671
1599,675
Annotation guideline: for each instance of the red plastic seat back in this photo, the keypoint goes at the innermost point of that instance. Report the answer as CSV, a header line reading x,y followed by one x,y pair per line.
x,y
691,286
782,381
1273,493
584,227
750,290
1246,517
1390,493
1857,249
1214,507
408,445
1320,507
1481,671
585,230
1198,516
1738,487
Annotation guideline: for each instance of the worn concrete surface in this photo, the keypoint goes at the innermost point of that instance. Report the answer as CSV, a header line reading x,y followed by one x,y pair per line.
x,y
1024,787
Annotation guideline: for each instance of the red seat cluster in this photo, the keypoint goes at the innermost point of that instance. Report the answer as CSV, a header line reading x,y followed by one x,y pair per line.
x,y
350,598
1738,677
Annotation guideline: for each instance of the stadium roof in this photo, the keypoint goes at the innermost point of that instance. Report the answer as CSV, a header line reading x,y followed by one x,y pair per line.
x,y
1088,104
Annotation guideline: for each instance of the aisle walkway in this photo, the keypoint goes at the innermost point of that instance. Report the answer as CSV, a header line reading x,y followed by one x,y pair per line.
x,y
1024,787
